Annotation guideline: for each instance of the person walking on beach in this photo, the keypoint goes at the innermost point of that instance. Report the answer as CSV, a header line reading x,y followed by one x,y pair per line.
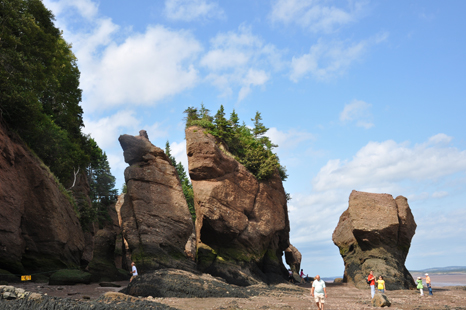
x,y
371,280
301,274
428,284
420,286
134,271
381,285
319,292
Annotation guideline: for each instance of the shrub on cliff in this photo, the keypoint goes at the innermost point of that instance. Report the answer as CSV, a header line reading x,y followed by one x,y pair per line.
x,y
249,146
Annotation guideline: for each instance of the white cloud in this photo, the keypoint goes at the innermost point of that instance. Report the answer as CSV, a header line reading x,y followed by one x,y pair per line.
x,y
358,111
325,61
119,66
418,172
190,10
381,163
239,59
145,68
106,131
315,15
290,139
179,152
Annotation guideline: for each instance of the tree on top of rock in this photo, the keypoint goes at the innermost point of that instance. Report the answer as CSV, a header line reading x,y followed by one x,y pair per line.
x,y
249,146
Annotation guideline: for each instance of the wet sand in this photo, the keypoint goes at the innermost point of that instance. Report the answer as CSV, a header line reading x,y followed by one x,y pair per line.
x,y
340,296
440,280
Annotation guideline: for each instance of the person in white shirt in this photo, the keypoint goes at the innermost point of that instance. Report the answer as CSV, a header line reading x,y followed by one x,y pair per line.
x,y
319,292
134,271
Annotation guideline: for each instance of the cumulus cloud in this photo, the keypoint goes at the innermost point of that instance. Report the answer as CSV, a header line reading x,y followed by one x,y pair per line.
x,y
190,10
358,111
326,60
106,131
289,139
420,172
315,15
120,67
239,59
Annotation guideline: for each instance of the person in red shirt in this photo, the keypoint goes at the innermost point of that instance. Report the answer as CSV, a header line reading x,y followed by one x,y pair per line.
x,y
371,280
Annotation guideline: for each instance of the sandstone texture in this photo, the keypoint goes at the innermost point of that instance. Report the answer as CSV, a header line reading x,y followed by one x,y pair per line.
x,y
293,258
242,225
39,228
155,218
375,233
103,267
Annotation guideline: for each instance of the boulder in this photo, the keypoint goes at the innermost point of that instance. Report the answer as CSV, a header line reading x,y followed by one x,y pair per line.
x,y
156,221
70,277
181,284
375,233
242,225
40,230
380,300
293,258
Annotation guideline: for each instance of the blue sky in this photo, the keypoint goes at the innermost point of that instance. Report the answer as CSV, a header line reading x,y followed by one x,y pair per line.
x,y
364,95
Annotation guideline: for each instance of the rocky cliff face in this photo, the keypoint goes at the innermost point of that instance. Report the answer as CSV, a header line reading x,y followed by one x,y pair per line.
x,y
242,225
39,229
155,218
375,233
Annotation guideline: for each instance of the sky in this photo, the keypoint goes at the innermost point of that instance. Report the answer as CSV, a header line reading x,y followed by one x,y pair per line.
x,y
359,95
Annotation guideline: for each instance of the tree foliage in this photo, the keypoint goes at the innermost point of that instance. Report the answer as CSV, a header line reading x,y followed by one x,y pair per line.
x,y
185,182
249,146
40,96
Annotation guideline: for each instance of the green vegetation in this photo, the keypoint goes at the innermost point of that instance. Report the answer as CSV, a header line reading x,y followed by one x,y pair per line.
x,y
250,147
185,182
40,100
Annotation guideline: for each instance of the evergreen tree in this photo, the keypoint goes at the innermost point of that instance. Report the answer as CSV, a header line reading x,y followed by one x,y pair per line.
x,y
185,182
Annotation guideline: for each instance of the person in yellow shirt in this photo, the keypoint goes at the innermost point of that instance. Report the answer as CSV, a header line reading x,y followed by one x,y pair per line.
x,y
381,285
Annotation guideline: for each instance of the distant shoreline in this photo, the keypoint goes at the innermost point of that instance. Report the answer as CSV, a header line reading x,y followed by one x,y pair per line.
x,y
439,279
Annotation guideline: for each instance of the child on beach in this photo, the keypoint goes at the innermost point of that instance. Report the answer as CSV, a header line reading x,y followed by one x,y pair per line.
x,y
381,285
420,286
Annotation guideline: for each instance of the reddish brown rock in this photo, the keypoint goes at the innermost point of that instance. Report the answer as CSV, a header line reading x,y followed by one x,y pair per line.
x,y
155,217
242,224
375,233
293,258
39,228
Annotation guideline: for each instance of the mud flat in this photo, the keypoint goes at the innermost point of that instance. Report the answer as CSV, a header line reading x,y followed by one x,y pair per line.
x,y
284,296
444,279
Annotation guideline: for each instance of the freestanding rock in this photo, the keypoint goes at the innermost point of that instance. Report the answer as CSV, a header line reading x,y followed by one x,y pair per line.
x,y
242,225
39,228
375,233
293,258
155,217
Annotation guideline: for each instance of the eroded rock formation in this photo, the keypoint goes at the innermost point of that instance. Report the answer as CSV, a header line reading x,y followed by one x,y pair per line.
x,y
293,258
375,233
155,218
39,227
242,225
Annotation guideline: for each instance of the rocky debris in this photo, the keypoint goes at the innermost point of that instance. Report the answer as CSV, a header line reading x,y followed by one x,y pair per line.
x,y
11,292
31,302
338,280
380,300
184,284
375,233
40,228
70,277
293,258
156,221
242,225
